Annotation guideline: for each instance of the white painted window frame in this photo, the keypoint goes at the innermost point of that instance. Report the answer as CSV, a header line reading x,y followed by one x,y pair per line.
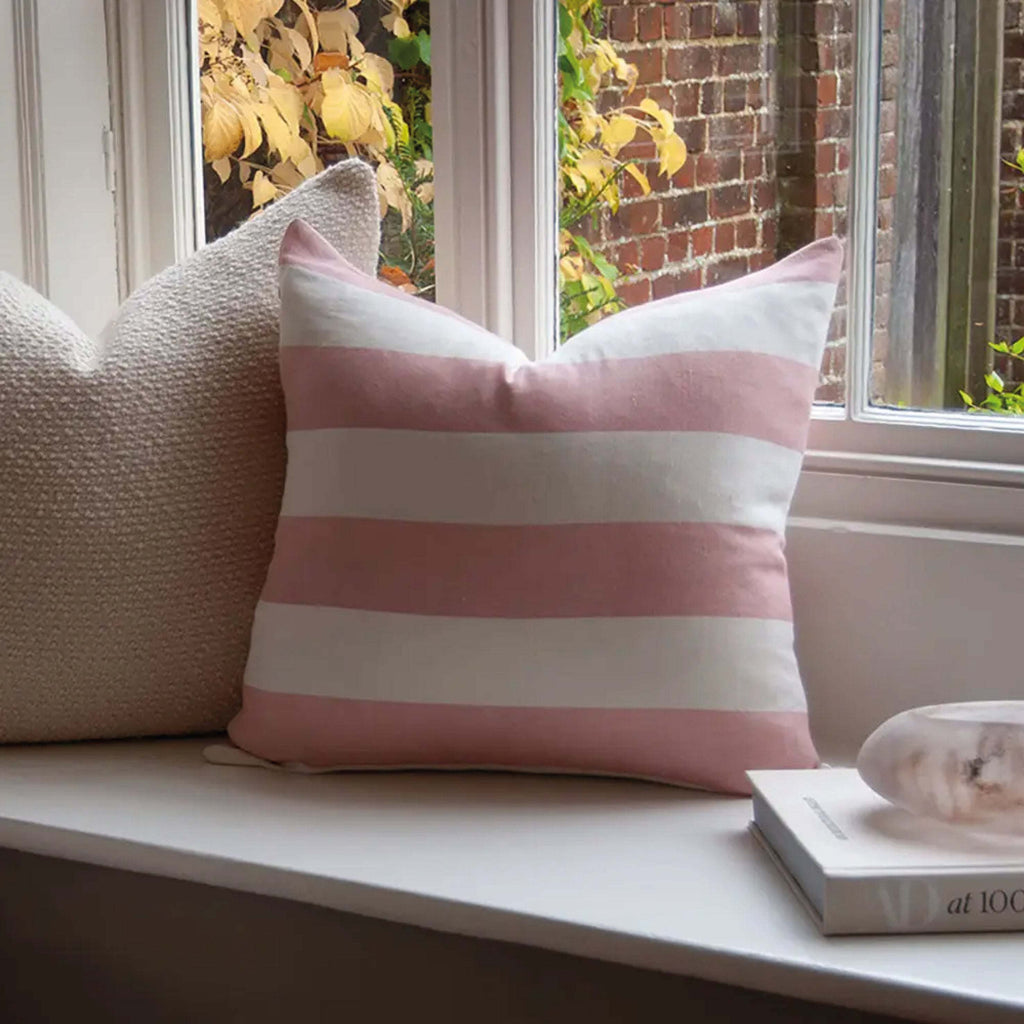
x,y
152,59
496,230
496,212
492,159
496,207
891,442
487,109
57,208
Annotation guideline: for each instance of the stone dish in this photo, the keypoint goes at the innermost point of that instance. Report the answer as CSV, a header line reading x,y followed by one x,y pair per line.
x,y
960,763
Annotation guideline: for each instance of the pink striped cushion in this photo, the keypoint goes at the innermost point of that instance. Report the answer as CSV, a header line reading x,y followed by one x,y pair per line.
x,y
574,565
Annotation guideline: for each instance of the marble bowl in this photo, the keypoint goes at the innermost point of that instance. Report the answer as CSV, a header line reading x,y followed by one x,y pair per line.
x,y
960,763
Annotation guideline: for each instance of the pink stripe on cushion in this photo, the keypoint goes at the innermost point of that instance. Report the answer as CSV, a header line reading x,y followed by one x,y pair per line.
x,y
745,393
303,246
553,571
710,749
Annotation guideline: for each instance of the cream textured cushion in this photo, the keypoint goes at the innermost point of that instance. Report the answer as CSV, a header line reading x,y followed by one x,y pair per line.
x,y
140,481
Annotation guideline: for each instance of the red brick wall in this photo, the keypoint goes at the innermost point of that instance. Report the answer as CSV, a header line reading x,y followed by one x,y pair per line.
x,y
815,96
712,65
761,91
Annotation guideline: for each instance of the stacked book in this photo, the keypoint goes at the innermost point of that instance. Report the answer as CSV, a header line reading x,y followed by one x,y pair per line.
x,y
860,865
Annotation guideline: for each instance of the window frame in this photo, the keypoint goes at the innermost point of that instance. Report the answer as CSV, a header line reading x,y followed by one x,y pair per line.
x,y
942,445
496,212
152,56
857,437
493,70
56,113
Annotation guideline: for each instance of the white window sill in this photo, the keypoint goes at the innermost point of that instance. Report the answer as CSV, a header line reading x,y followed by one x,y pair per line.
x,y
622,871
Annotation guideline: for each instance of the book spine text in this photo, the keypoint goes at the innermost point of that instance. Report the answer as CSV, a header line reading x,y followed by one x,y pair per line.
x,y
924,903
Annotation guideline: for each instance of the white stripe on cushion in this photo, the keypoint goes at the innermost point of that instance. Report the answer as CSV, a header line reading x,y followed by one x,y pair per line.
x,y
697,663
321,310
590,477
744,320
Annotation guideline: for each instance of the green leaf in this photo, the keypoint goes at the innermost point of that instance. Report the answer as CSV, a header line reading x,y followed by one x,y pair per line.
x,y
423,38
576,92
569,65
583,247
609,270
994,381
563,132
565,26
404,52
1017,347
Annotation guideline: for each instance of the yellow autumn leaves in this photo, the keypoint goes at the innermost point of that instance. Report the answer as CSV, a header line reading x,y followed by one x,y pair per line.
x,y
301,89
591,157
591,160
394,21
286,88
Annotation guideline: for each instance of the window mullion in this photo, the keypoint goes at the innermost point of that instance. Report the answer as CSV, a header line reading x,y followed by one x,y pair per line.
x,y
533,174
154,68
495,202
28,118
863,206
473,202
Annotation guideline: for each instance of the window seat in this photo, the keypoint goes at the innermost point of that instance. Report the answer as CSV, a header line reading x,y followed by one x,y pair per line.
x,y
614,870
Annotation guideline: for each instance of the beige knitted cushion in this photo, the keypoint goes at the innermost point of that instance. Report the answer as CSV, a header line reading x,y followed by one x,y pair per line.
x,y
140,481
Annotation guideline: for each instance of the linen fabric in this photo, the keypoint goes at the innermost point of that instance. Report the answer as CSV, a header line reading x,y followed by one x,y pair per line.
x,y
140,482
572,565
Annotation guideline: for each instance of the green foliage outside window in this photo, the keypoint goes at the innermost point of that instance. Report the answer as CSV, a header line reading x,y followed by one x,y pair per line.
x,y
289,86
1001,397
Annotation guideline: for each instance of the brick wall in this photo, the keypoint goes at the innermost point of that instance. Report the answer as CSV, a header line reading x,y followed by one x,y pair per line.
x,y
761,91
815,96
713,66
1010,259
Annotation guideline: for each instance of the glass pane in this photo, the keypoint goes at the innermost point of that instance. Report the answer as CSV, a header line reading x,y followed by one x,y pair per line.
x,y
760,92
951,216
287,93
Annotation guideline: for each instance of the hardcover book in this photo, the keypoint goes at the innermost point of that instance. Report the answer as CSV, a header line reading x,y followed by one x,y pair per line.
x,y
861,866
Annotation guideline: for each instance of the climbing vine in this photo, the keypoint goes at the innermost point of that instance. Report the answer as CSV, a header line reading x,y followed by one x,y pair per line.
x,y
591,157
288,87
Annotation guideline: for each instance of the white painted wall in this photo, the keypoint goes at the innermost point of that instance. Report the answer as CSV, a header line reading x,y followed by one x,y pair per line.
x,y
891,617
